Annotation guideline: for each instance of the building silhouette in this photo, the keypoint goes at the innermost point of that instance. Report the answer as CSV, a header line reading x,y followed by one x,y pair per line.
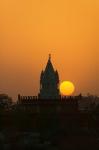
x,y
49,99
49,82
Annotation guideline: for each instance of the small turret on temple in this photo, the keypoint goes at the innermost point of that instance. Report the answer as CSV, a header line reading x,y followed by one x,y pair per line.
x,y
49,82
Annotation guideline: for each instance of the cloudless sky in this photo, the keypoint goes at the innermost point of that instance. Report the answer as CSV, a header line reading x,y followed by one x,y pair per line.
x,y
31,29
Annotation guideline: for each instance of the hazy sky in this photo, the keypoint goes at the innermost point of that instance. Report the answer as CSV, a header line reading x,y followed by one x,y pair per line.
x,y
31,29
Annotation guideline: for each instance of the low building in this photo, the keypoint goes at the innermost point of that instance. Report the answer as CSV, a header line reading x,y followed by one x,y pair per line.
x,y
5,101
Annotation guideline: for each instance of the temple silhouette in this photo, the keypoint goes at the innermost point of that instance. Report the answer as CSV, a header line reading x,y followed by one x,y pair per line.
x,y
49,82
49,98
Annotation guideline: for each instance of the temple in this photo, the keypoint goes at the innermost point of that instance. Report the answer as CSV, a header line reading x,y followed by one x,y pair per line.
x,y
49,99
49,82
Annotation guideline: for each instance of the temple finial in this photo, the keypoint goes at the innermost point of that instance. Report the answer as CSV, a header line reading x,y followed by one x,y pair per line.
x,y
49,56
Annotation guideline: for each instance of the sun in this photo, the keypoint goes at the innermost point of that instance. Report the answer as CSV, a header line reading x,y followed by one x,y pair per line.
x,y
67,88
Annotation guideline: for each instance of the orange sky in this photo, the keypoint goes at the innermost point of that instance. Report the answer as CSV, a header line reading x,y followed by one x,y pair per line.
x,y
31,29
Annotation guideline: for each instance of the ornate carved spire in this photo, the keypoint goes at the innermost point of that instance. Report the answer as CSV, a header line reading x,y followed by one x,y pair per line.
x,y
49,81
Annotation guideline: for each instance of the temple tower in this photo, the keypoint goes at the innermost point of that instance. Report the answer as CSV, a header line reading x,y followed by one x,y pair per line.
x,y
49,82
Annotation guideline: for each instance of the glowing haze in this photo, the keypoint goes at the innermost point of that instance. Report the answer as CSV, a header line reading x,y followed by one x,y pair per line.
x,y
31,29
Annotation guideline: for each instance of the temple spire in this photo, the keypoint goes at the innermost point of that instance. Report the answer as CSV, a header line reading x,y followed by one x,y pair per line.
x,y
49,56
49,81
